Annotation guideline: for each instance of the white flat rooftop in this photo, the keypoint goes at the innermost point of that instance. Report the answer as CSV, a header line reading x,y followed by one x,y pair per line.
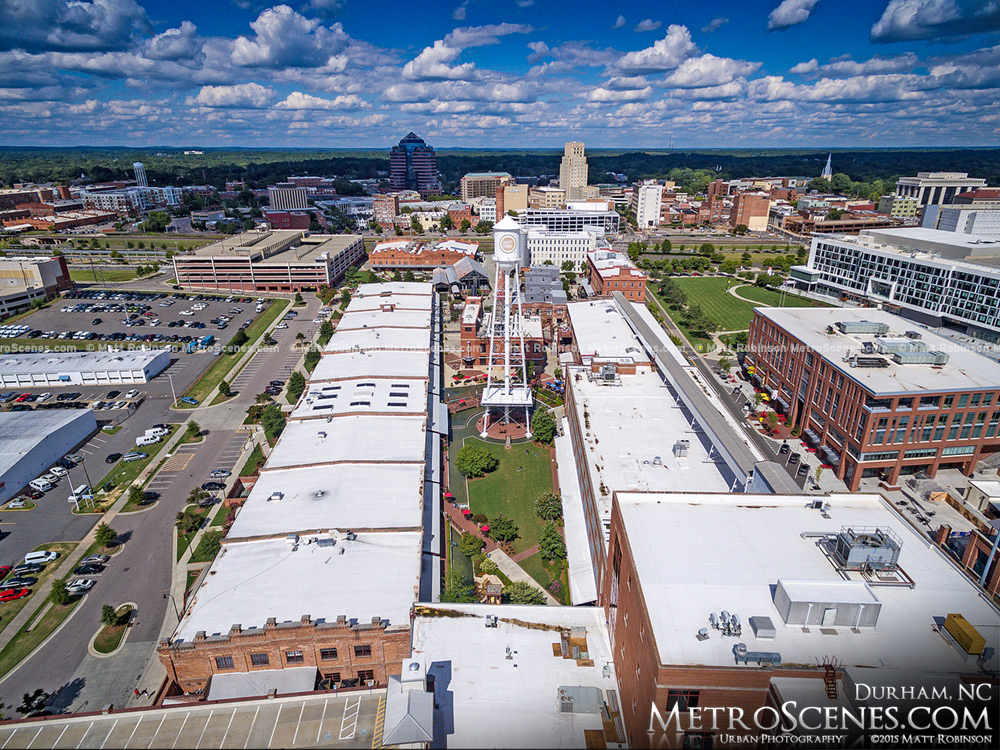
x,y
390,319
399,301
350,439
492,701
346,496
363,395
965,369
377,338
413,288
373,363
377,576
66,362
582,581
21,431
727,552
630,426
602,331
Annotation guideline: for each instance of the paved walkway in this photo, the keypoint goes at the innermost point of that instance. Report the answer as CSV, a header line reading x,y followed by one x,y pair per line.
x,y
464,524
524,555
515,573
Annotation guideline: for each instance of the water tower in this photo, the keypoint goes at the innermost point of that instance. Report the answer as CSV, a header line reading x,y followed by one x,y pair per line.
x,y
507,393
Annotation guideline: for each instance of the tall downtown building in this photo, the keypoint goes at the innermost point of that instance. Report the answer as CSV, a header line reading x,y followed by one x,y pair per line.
x,y
573,170
413,166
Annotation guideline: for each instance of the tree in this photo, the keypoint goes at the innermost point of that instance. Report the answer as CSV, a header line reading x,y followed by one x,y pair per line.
x,y
457,588
465,226
504,529
475,461
834,213
59,595
746,258
325,331
521,592
415,225
237,342
193,429
224,389
298,299
707,249
311,359
296,384
33,703
263,398
470,545
549,506
772,421
109,616
725,365
273,421
544,426
446,222
486,565
300,337
408,277
376,228
189,521
136,495
568,266
484,227
551,544
106,536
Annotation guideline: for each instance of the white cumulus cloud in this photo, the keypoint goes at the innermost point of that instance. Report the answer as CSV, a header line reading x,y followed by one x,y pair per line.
x,y
251,95
665,54
790,13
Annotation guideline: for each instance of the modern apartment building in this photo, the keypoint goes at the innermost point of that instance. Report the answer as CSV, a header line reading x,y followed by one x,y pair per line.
x,y
899,206
556,248
936,187
611,271
288,198
978,220
570,220
413,166
874,396
646,201
547,197
483,184
935,277
271,261
573,170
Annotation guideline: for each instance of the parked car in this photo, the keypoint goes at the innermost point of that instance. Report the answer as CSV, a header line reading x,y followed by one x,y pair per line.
x,y
88,570
81,585
134,456
220,473
17,504
281,326
18,582
113,394
10,595
26,568
277,383
785,447
95,560
4,570
34,494
96,322
112,458
59,471
794,458
213,486
189,400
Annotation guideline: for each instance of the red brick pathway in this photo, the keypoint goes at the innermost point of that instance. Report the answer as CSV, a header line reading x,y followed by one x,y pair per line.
x,y
522,555
464,524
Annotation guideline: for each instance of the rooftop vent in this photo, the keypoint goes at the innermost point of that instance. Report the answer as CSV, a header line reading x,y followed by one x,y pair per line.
x,y
868,546
681,448
862,326
275,496
920,358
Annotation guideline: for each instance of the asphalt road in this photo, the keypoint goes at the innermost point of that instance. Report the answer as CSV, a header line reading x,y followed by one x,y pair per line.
x,y
142,571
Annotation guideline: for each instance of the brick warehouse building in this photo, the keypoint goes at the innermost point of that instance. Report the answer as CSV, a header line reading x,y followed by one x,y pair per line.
x,y
611,271
411,255
793,575
340,534
874,396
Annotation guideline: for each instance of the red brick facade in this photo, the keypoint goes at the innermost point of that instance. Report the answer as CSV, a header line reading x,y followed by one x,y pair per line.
x,y
626,279
338,650
901,434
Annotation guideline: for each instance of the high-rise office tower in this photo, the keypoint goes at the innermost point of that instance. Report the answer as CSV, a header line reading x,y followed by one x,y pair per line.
x,y
413,166
140,174
573,170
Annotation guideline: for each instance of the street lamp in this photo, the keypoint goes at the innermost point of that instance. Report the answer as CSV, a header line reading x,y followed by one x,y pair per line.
x,y
170,377
168,595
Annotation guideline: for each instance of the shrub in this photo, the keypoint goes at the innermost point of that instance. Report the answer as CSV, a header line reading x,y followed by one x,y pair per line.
x,y
480,519
520,592
544,426
504,529
106,536
551,544
549,506
470,545
475,461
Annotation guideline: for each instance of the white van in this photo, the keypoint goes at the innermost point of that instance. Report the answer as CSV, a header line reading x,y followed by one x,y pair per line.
x,y
147,439
157,432
40,558
41,485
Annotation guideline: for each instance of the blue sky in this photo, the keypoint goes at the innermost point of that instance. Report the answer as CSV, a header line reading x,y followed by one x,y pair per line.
x,y
498,73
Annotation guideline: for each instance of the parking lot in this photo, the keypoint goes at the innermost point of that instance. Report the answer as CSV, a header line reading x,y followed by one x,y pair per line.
x,y
95,319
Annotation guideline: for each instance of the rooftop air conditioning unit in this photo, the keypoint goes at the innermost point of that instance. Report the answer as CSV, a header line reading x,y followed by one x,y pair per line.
x,y
275,496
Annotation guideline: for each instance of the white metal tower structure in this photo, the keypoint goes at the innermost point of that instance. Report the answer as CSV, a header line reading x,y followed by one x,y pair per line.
x,y
507,387
140,174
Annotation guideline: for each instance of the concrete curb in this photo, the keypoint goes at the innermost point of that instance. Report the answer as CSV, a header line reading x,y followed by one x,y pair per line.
x,y
128,630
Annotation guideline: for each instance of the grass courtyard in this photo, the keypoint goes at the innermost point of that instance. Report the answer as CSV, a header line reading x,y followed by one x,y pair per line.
x,y
525,472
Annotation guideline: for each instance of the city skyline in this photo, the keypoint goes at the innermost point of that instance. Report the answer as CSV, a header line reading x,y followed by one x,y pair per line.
x,y
465,74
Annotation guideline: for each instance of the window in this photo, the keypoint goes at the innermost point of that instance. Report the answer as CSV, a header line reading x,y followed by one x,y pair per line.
x,y
366,674
362,651
259,660
294,657
327,654
685,698
223,662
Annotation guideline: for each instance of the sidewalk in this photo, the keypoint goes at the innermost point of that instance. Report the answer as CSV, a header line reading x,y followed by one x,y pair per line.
x,y
515,573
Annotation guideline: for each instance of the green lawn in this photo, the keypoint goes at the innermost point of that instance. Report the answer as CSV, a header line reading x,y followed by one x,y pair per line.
x,y
99,275
513,488
544,573
123,474
702,345
22,644
772,298
255,460
220,516
111,636
709,292
183,540
225,362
